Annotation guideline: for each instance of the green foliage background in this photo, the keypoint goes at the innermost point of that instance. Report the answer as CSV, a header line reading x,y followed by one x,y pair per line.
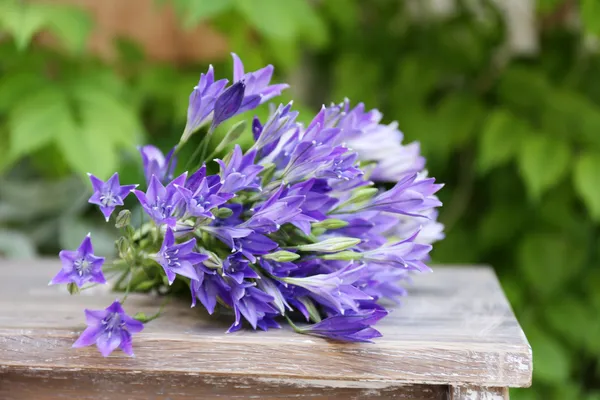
x,y
516,138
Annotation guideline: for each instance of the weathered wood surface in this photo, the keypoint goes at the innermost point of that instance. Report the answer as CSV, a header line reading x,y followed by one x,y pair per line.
x,y
455,328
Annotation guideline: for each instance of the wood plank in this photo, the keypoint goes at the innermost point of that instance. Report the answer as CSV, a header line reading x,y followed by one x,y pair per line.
x,y
455,328
478,393
60,385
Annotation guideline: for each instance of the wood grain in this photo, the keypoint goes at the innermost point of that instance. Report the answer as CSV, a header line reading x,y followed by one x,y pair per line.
x,y
455,328
477,393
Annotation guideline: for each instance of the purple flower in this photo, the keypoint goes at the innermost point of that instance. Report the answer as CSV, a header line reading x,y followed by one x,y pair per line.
x,y
280,122
228,103
410,196
179,258
80,266
251,302
202,200
352,327
110,194
240,172
334,290
405,254
109,329
163,204
238,268
155,163
258,90
206,289
202,102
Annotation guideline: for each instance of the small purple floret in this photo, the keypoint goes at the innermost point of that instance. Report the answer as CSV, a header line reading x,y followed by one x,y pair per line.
x,y
109,329
80,266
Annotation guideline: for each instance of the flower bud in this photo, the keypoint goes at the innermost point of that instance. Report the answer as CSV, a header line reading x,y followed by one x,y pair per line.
x,y
122,246
213,261
331,245
361,195
228,103
223,213
282,256
330,224
123,219
343,255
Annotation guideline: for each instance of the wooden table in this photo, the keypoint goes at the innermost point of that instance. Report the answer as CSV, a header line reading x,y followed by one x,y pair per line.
x,y
455,337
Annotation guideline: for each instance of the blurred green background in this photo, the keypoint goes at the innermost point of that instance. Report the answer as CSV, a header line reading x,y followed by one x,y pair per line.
x,y
504,97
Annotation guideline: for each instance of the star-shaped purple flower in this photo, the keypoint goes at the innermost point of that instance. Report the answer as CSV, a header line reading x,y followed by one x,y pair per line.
x,y
80,266
109,329
110,194
179,258
258,90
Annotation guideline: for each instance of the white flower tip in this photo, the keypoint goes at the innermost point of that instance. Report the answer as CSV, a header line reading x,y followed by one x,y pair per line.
x,y
50,283
89,234
89,174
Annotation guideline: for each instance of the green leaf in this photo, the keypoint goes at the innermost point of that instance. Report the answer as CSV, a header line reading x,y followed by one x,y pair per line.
x,y
549,260
22,20
70,24
590,15
17,85
197,11
586,179
543,162
272,18
551,360
499,140
576,321
36,120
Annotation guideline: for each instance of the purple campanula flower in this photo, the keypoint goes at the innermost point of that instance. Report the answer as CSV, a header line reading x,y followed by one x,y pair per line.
x,y
179,259
80,266
207,288
410,196
163,204
334,290
239,172
351,327
251,303
110,194
275,212
228,103
202,200
238,268
155,163
258,90
109,329
281,121
405,254
202,102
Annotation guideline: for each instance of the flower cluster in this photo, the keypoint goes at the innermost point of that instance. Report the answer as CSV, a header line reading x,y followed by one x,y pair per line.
x,y
312,223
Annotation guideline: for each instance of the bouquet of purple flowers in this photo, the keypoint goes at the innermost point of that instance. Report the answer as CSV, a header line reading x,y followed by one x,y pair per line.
x,y
312,225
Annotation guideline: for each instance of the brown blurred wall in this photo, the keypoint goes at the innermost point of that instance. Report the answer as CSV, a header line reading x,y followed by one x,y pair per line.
x,y
155,27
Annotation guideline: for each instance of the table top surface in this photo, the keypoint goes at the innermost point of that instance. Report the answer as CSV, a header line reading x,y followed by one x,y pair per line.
x,y
455,327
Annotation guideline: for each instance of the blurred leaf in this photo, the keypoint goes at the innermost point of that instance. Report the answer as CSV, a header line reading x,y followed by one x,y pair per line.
x,y
71,24
14,244
546,6
499,140
576,321
17,85
587,181
196,11
272,18
551,360
590,15
543,162
36,120
500,225
347,68
524,88
309,22
22,20
549,260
